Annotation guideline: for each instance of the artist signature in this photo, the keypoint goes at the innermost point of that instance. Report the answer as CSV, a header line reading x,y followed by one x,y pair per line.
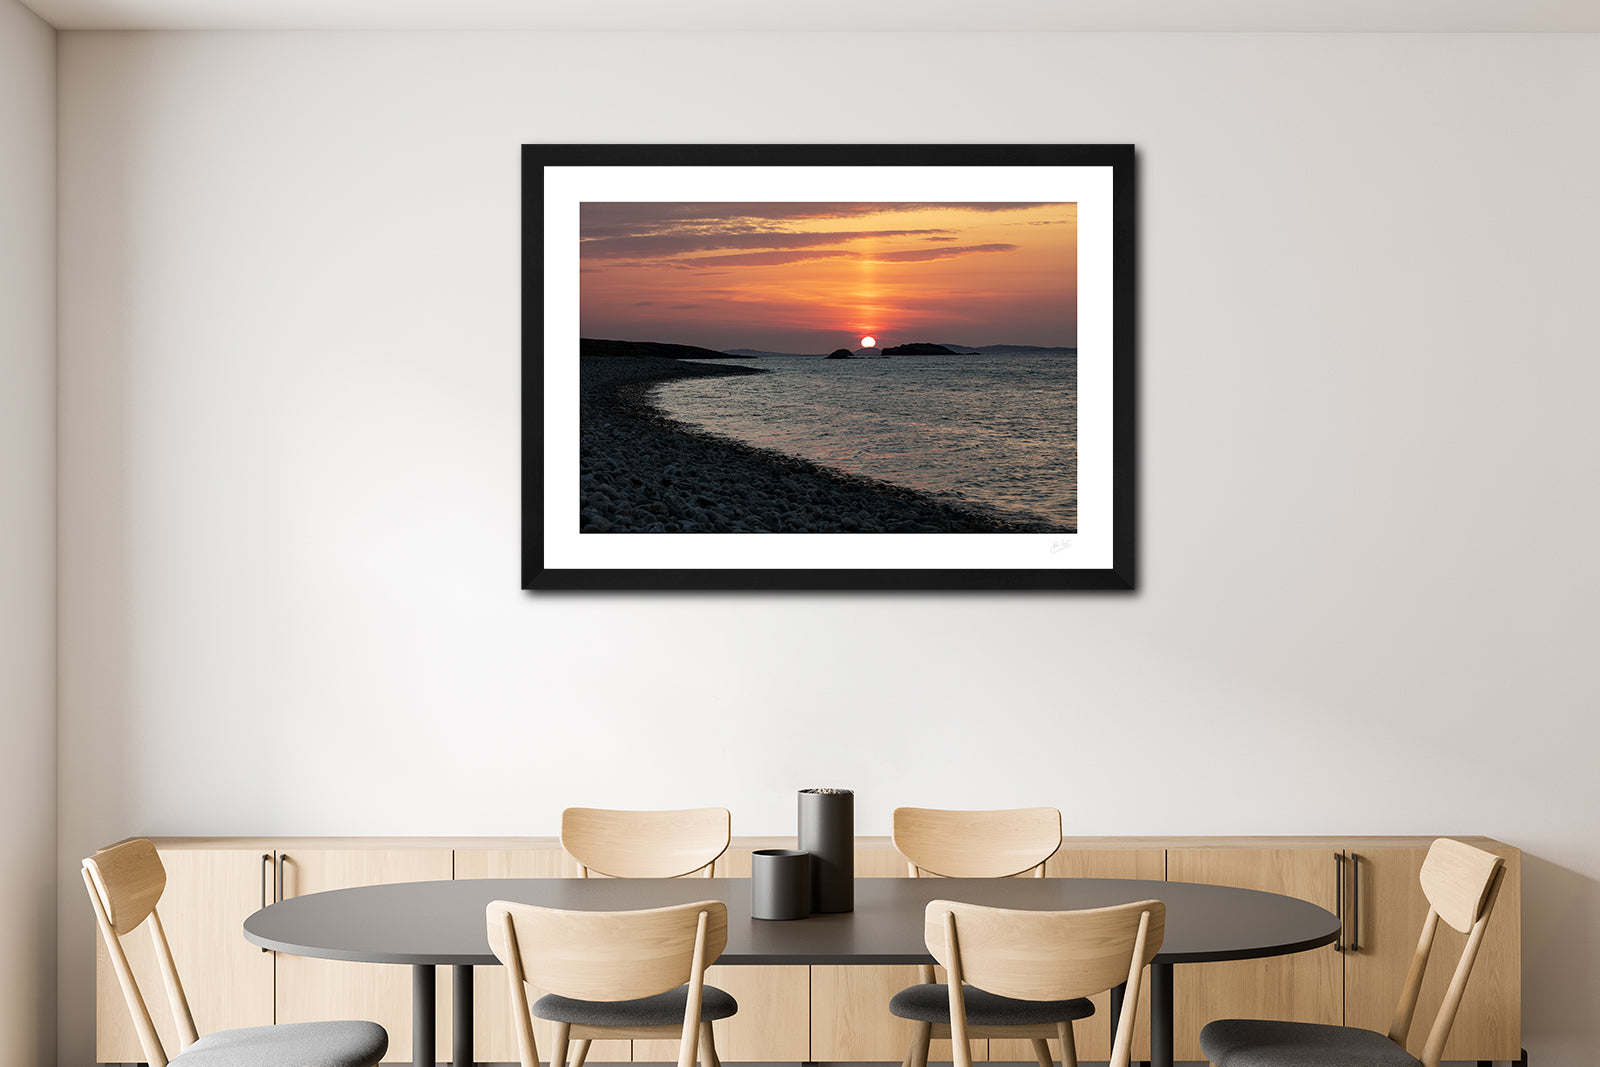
x,y
1059,545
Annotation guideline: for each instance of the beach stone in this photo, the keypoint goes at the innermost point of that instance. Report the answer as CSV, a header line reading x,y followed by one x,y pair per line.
x,y
642,472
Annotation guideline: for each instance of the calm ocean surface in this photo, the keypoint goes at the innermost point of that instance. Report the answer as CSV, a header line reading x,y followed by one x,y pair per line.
x,y
993,432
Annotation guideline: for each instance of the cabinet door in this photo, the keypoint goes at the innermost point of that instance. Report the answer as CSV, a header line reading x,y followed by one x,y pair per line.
x,y
773,1024
850,1017
1093,1035
1384,919
314,990
494,1038
228,981
1304,986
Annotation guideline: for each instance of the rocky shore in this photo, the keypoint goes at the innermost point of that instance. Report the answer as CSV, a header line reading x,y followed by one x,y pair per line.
x,y
641,472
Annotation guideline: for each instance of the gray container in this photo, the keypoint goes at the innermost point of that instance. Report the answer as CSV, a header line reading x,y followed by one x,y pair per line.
x,y
828,832
780,884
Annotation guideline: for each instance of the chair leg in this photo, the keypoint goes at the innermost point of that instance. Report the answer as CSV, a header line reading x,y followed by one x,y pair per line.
x,y
708,1046
1041,1052
580,1051
558,1047
920,1040
1069,1044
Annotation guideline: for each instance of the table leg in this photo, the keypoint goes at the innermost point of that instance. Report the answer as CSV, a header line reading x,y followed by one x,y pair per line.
x,y
1161,1015
423,1022
461,1026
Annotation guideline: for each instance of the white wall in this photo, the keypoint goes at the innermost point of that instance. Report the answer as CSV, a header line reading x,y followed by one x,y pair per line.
x,y
290,475
27,536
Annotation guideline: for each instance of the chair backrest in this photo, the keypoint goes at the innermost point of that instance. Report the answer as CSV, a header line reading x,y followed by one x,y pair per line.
x,y
607,955
1044,955
1461,883
125,881
645,844
977,844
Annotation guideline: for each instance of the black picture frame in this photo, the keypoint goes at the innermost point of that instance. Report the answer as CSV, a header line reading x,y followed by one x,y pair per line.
x,y
1115,568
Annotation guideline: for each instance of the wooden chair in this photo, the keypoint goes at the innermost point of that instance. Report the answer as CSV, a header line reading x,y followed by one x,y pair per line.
x,y
645,844
1461,883
124,883
1013,972
978,844
614,974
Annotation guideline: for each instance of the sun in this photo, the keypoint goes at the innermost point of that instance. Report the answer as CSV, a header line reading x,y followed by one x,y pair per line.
x,y
868,341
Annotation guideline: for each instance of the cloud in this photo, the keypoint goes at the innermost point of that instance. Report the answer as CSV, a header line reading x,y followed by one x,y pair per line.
x,y
778,259
657,246
775,259
600,220
922,255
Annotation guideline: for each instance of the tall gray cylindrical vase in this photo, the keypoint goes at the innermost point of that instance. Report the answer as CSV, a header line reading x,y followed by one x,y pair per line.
x,y
828,833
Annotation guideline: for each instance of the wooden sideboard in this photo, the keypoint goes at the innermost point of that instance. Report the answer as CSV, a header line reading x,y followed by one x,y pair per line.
x,y
797,1013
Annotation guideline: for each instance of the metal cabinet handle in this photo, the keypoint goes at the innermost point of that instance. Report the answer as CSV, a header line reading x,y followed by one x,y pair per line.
x,y
266,878
1355,902
1338,898
282,859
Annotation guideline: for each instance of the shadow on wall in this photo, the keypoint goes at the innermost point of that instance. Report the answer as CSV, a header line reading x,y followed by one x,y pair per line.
x,y
99,689
1560,916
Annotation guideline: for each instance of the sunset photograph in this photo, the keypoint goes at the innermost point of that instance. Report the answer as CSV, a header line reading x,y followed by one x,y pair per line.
x,y
816,277
830,367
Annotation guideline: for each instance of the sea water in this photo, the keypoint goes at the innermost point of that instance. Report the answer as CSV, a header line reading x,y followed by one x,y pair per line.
x,y
995,432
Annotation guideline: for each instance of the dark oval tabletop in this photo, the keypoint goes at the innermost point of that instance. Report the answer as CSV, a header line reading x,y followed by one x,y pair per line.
x,y
443,922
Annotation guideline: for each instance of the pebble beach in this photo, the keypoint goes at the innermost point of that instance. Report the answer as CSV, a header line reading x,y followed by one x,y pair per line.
x,y
642,472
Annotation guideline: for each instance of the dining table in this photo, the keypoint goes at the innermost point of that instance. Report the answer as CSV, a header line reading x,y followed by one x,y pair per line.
x,y
428,925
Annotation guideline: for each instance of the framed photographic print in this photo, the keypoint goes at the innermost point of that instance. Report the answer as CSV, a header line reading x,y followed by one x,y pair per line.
x,y
828,367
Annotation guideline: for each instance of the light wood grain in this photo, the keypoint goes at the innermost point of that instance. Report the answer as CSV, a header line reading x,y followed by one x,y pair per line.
x,y
1456,878
1043,955
313,989
950,843
1305,986
139,1011
1433,1049
129,880
1038,955
773,1024
1488,1024
1093,1035
977,844
879,861
1393,910
608,956
227,980
850,1018
125,884
645,844
493,1022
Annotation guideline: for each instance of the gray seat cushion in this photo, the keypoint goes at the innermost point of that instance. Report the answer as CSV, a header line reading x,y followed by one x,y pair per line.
x,y
931,1004
663,1009
333,1044
1269,1043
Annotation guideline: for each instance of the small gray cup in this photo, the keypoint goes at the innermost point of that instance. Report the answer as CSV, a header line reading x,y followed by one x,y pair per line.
x,y
780,884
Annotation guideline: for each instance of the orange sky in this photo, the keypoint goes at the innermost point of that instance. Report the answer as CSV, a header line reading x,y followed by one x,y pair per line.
x,y
792,277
